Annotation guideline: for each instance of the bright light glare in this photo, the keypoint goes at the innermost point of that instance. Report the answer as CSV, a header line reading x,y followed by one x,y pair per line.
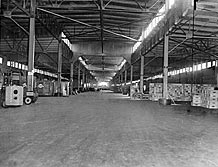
x,y
160,15
66,41
103,84
171,3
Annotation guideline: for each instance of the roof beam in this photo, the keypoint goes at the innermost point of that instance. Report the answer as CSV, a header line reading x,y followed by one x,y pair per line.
x,y
192,46
88,25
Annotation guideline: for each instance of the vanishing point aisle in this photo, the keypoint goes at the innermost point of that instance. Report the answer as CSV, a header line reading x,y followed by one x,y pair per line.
x,y
106,130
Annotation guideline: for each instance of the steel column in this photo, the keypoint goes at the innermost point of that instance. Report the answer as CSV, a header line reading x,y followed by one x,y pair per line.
x,y
216,72
165,67
125,76
79,76
131,73
86,80
59,64
4,64
31,49
121,77
142,73
83,78
71,76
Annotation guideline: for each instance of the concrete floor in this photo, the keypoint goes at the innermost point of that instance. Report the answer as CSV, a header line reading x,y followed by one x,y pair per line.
x,y
106,130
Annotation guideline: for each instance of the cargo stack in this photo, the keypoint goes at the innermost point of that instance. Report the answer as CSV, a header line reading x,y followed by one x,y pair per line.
x,y
196,100
196,89
45,88
155,91
187,92
203,95
210,98
175,91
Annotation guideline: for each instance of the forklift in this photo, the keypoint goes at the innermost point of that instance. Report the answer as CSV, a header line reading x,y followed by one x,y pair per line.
x,y
14,91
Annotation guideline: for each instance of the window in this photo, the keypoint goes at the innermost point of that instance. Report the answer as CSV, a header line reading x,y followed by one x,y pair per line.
x,y
183,70
8,63
12,64
199,67
195,68
209,64
20,66
1,60
171,3
204,65
23,67
16,65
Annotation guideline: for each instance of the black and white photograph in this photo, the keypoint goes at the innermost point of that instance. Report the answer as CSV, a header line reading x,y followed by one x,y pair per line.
x,y
108,83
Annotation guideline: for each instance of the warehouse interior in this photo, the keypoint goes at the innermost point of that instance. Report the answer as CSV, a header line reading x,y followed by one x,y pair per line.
x,y
108,83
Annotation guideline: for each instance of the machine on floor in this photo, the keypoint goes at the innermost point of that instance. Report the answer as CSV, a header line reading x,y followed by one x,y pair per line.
x,y
13,96
13,91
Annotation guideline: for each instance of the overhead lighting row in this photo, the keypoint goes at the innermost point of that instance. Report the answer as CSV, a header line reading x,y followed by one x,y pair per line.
x,y
196,67
25,68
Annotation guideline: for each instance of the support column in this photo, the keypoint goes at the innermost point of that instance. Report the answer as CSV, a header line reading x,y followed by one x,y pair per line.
x,y
121,77
142,74
71,76
31,50
125,75
4,64
87,86
216,72
59,64
131,74
83,78
86,80
165,67
79,76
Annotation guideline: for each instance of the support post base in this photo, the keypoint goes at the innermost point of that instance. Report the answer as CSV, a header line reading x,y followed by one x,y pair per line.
x,y
165,102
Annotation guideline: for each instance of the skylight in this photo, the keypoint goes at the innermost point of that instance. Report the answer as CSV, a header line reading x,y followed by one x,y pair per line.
x,y
160,15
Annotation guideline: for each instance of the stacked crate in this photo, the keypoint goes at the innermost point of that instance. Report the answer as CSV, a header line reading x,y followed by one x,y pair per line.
x,y
151,88
45,87
178,92
203,95
211,99
196,89
208,97
158,91
175,91
186,92
155,91
196,100
152,91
